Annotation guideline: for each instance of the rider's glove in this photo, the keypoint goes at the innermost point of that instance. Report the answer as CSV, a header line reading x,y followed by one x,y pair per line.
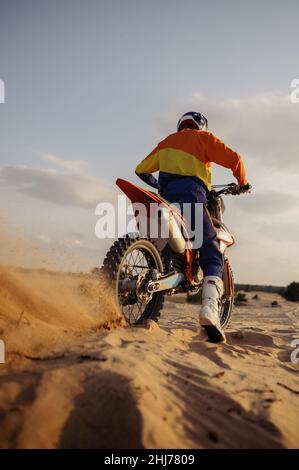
x,y
244,188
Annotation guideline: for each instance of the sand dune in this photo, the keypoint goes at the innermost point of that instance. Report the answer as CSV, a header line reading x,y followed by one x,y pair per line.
x,y
71,383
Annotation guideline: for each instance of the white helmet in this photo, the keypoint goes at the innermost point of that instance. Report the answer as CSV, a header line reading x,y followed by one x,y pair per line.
x,y
196,120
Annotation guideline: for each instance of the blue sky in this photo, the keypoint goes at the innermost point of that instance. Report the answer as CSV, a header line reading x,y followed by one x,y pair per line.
x,y
101,82
89,78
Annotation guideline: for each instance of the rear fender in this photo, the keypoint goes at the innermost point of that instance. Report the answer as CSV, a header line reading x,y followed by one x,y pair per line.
x,y
136,194
224,236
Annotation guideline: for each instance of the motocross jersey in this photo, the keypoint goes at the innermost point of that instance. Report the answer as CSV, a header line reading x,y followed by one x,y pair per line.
x,y
190,153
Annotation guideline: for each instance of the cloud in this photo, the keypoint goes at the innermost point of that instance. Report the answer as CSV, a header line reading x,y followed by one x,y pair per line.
x,y
75,235
65,241
72,166
281,231
270,202
43,238
263,128
57,187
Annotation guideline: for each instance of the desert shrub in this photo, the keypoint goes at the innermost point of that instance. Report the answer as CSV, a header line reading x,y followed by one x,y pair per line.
x,y
240,298
274,303
255,297
291,292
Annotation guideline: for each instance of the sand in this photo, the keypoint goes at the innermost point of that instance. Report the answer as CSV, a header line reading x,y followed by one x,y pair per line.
x,y
75,377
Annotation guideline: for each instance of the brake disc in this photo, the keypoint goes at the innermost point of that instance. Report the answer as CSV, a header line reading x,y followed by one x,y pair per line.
x,y
143,295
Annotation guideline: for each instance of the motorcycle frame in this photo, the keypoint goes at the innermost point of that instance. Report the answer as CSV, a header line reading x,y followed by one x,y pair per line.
x,y
136,194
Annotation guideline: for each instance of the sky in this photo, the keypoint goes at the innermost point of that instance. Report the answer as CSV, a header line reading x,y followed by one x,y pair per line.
x,y
91,87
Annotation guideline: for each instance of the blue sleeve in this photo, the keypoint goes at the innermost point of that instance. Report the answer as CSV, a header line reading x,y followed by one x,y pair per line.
x,y
149,179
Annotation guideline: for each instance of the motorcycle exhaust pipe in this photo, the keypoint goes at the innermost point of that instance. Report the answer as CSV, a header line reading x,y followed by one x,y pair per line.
x,y
166,283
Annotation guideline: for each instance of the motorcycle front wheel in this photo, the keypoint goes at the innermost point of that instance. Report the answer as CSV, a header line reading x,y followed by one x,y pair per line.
x,y
227,303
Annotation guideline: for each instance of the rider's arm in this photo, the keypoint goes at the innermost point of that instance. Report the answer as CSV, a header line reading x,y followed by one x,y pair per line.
x,y
149,179
149,165
221,154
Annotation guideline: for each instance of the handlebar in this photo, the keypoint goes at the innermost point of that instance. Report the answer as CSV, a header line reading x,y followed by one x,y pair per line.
x,y
232,188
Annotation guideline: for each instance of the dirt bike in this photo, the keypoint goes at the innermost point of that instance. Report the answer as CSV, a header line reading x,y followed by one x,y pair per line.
x,y
142,269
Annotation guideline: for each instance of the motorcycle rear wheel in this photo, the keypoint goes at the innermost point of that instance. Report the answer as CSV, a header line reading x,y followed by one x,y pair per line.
x,y
132,258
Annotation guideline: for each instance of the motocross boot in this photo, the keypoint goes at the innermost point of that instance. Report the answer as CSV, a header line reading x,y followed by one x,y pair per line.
x,y
212,292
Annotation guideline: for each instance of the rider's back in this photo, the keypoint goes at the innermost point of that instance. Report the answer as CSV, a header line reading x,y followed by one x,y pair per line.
x,y
190,153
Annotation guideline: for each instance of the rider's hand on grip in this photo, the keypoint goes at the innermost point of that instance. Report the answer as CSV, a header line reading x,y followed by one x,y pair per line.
x,y
240,188
244,188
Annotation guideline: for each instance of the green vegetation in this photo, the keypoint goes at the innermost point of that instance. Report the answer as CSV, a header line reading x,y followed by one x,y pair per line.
x,y
240,298
291,292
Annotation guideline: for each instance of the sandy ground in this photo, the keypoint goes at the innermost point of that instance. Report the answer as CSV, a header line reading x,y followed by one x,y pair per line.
x,y
74,378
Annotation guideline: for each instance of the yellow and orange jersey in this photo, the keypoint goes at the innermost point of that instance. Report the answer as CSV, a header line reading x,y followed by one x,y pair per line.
x,y
190,152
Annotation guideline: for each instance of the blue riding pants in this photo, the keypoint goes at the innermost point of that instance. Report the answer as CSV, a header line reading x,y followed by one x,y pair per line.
x,y
182,189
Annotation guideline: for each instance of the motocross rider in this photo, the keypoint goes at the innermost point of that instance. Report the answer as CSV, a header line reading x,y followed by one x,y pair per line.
x,y
183,160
